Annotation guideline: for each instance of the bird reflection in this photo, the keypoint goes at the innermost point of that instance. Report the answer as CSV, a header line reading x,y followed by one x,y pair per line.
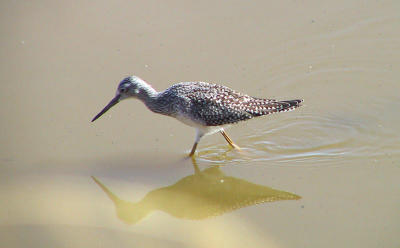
x,y
201,195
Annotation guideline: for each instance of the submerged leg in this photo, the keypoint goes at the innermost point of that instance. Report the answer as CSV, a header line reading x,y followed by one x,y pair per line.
x,y
199,134
230,142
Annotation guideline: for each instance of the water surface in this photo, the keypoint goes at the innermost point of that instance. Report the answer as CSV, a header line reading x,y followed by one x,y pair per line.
x,y
325,175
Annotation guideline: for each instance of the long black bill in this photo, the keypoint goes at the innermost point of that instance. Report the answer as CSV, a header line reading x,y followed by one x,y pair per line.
x,y
114,101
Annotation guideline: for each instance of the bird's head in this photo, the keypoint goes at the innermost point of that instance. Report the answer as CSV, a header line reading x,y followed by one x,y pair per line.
x,y
129,87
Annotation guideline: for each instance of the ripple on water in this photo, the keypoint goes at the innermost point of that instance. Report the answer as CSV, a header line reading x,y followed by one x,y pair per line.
x,y
310,139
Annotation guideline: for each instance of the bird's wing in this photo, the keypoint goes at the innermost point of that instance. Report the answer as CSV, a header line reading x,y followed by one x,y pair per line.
x,y
258,106
213,113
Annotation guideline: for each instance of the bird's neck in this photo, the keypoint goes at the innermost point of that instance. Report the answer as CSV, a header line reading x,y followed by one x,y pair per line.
x,y
155,101
150,97
147,93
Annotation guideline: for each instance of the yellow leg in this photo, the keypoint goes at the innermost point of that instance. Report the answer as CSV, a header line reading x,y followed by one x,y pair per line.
x,y
230,142
199,133
193,149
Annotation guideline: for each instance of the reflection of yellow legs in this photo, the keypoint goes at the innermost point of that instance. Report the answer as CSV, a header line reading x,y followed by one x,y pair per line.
x,y
230,142
195,166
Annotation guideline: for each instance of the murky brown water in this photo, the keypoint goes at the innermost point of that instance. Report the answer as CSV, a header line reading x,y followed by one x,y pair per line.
x,y
325,175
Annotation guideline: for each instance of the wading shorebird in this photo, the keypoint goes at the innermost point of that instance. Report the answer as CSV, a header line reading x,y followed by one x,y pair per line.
x,y
204,106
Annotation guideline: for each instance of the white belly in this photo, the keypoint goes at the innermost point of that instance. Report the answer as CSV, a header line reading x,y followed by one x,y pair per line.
x,y
200,126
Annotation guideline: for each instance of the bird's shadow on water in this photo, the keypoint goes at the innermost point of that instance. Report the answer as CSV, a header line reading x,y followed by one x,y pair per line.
x,y
203,194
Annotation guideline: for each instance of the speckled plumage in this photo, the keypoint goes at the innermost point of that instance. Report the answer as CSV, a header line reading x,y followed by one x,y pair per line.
x,y
205,106
214,105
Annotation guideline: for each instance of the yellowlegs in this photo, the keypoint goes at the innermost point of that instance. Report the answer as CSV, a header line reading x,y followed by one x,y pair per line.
x,y
204,106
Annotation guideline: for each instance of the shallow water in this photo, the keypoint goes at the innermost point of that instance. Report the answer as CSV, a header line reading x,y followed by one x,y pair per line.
x,y
324,175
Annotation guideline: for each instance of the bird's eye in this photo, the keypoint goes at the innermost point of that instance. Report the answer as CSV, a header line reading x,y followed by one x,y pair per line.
x,y
123,90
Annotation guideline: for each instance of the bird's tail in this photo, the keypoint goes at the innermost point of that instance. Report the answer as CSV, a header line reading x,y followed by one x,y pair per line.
x,y
270,106
290,105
